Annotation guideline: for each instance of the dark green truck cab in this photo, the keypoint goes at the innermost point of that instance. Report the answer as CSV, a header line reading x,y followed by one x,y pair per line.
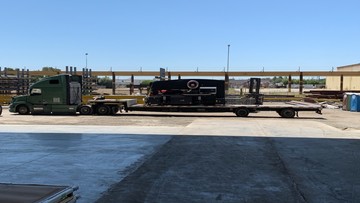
x,y
59,94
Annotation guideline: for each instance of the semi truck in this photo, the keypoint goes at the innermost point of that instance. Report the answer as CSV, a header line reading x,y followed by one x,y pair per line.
x,y
62,94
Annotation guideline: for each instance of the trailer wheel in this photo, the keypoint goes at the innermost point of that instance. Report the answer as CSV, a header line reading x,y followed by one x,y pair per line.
x,y
23,110
103,110
287,113
85,110
242,112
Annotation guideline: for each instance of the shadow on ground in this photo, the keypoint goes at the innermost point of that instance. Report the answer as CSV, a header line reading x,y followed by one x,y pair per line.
x,y
245,169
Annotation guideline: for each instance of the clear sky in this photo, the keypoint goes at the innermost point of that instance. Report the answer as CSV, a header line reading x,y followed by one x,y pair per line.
x,y
180,34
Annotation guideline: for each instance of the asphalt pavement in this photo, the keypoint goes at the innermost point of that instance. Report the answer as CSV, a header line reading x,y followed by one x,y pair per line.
x,y
209,160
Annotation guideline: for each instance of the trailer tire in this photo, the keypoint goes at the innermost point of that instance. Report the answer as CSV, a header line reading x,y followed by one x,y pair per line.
x,y
287,113
85,110
103,110
242,112
23,110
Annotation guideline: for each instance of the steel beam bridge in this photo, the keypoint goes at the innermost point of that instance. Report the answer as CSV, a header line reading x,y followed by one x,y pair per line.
x,y
205,73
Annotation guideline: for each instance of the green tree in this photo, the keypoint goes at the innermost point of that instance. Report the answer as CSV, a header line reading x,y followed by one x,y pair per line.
x,y
105,81
51,69
145,83
37,78
8,69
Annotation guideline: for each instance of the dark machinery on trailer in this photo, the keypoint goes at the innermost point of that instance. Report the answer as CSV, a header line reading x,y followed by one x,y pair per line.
x,y
198,92
186,92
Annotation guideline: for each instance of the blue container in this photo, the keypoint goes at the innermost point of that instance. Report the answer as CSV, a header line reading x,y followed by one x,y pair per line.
x,y
355,103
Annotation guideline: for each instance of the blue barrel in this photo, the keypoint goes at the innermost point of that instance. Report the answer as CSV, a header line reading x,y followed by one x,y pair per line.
x,y
355,103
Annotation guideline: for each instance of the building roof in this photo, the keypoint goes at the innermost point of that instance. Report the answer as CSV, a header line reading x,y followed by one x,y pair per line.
x,y
357,66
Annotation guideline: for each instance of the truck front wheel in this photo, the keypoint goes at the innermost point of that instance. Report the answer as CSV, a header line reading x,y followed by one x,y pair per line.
x,y
23,110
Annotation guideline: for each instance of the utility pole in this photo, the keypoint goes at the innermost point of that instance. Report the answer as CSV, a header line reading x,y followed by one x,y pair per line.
x,y
86,54
228,58
227,72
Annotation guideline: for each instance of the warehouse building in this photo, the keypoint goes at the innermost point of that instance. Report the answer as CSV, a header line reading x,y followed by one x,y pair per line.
x,y
349,82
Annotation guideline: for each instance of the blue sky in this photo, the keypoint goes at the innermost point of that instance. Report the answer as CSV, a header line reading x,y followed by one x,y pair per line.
x,y
180,34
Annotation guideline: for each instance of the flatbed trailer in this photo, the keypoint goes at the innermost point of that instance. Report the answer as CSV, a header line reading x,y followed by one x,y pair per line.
x,y
284,110
30,193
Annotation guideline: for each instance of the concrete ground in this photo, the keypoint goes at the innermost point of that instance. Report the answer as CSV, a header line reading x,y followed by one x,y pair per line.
x,y
143,157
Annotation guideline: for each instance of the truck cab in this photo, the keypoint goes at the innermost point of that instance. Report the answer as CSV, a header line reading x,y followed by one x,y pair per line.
x,y
59,94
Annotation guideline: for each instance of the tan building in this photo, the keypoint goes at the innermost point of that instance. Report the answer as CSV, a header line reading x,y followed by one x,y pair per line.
x,y
349,83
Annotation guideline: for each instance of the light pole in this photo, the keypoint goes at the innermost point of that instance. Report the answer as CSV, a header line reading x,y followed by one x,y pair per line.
x,y
228,57
86,54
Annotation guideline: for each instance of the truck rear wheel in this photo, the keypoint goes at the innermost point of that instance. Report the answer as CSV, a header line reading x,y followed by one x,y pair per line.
x,y
85,110
114,110
287,113
242,112
23,110
103,110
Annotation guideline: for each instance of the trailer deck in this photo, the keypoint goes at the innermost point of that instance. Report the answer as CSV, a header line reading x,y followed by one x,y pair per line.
x,y
284,110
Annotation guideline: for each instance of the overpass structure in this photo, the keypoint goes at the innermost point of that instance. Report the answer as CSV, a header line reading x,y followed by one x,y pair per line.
x,y
205,73
226,75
